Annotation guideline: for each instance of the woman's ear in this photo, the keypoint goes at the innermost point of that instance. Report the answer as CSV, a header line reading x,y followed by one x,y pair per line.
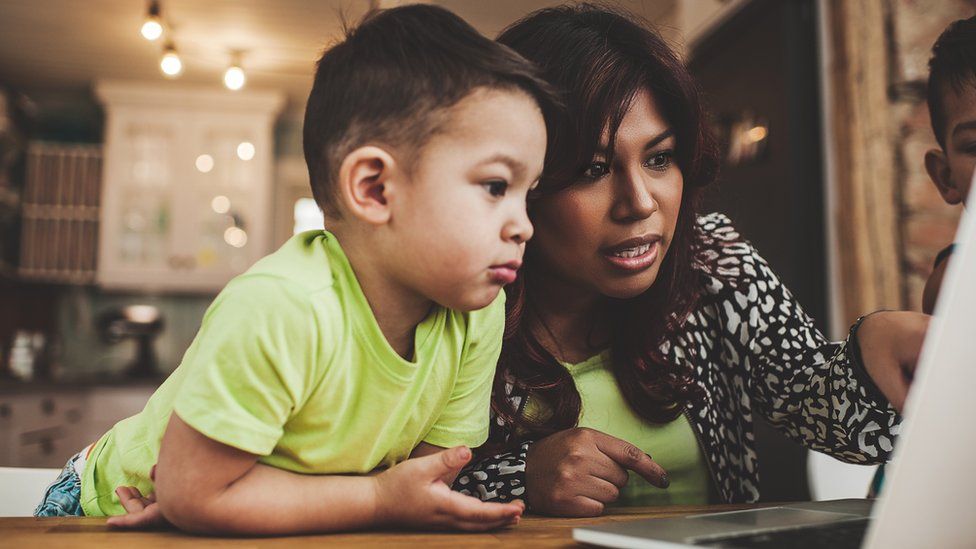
x,y
364,176
937,165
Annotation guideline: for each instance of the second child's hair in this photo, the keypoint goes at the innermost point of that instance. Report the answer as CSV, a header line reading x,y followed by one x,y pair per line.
x,y
391,81
602,60
951,68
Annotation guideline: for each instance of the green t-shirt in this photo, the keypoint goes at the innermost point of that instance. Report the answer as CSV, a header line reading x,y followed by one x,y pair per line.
x,y
672,445
289,364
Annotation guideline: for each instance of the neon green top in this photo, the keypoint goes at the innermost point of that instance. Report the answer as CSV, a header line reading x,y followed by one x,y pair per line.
x,y
673,445
289,364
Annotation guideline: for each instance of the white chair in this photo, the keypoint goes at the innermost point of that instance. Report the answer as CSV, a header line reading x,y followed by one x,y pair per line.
x,y
833,479
21,489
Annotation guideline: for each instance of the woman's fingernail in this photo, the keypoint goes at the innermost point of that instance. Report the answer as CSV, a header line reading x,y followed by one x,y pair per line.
x,y
648,455
665,481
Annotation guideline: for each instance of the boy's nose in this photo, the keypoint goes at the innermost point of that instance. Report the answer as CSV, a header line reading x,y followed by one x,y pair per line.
x,y
519,230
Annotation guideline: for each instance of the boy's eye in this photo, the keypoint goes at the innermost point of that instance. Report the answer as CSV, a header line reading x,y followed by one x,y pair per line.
x,y
496,187
596,170
660,161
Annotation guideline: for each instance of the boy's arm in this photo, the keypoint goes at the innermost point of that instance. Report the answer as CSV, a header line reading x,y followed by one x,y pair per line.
x,y
208,487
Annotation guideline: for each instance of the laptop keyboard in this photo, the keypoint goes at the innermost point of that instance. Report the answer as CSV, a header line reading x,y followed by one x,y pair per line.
x,y
838,535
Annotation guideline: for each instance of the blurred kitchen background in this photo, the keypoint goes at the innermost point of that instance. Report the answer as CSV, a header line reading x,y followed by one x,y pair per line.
x,y
150,151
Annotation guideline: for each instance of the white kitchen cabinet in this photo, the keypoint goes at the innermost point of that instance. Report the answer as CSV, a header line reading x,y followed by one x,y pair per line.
x,y
43,425
187,185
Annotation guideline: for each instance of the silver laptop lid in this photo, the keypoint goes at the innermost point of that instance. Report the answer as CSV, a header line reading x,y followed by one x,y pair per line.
x,y
930,496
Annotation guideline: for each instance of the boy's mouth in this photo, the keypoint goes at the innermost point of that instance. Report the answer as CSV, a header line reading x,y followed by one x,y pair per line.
x,y
505,273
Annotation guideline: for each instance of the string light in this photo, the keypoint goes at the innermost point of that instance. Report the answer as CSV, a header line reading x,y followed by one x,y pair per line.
x,y
170,64
152,28
234,77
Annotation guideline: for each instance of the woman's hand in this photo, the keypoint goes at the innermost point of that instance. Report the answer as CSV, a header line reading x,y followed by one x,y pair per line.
x,y
417,494
890,343
576,472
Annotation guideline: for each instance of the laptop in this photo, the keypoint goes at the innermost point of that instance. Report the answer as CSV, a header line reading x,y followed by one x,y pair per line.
x,y
930,490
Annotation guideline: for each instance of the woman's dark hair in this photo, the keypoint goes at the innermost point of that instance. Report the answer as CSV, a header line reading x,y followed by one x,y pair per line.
x,y
600,59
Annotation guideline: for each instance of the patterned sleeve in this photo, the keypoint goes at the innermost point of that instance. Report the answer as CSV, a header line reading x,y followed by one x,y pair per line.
x,y
816,392
497,475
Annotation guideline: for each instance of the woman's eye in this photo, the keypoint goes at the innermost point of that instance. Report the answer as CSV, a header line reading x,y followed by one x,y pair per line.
x,y
496,188
596,170
660,161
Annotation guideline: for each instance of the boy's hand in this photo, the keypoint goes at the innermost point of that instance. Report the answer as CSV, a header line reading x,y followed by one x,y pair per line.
x,y
414,494
142,512
890,343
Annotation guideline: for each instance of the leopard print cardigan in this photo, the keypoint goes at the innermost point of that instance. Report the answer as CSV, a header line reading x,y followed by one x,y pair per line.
x,y
754,350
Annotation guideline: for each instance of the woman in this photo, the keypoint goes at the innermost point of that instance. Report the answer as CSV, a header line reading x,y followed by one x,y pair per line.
x,y
637,327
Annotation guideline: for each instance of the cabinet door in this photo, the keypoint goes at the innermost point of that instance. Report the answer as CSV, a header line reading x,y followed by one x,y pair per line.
x,y
142,158
222,211
42,428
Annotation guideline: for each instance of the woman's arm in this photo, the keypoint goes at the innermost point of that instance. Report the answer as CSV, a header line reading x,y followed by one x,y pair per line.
x,y
208,487
814,391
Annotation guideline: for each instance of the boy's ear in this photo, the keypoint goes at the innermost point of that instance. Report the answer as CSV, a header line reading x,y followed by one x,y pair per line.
x,y
937,165
364,176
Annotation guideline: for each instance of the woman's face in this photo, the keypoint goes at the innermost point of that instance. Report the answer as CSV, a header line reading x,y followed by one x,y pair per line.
x,y
609,232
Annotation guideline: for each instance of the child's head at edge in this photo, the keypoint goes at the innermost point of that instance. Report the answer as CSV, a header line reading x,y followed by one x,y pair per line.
x,y
952,107
422,138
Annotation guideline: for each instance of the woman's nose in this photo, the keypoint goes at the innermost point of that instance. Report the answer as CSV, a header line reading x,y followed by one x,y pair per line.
x,y
634,198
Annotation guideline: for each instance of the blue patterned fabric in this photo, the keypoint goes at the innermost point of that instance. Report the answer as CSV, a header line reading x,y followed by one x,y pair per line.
x,y
63,496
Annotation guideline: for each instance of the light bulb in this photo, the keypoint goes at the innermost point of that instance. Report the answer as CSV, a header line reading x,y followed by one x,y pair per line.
x,y
234,77
170,64
152,28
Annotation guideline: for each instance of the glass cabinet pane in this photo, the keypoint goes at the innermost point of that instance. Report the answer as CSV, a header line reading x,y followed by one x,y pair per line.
x,y
148,153
221,198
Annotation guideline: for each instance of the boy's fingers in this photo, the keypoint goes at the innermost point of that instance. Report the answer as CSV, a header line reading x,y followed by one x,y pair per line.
x,y
476,526
130,498
467,508
446,463
149,516
631,457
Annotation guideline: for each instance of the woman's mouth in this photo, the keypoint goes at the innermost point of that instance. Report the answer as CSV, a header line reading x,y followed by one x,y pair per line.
x,y
635,254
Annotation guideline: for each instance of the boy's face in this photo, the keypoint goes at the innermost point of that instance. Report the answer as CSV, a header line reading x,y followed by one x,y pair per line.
x,y
952,169
460,222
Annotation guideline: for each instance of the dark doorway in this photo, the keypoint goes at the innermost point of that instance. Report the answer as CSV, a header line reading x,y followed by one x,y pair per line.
x,y
760,75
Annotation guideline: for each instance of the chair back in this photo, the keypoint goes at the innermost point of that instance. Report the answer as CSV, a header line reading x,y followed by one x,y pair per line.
x,y
22,488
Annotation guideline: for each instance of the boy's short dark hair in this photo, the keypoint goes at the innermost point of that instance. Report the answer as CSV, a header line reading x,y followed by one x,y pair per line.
x,y
391,80
951,68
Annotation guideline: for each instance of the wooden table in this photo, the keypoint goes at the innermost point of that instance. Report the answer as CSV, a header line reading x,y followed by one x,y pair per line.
x,y
534,531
